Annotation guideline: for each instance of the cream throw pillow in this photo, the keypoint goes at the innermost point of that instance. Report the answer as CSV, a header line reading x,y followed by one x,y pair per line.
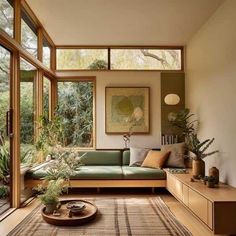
x,y
176,158
155,159
137,156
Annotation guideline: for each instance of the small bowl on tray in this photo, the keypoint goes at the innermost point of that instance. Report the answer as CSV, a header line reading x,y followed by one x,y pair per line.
x,y
76,206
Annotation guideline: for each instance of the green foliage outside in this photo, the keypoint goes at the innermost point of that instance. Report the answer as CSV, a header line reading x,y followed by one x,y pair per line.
x,y
75,105
4,191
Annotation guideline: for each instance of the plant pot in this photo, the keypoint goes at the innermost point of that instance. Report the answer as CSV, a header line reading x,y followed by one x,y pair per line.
x,y
50,208
198,168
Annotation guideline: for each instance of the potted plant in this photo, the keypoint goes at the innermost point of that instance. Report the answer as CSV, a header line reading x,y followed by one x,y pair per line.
x,y
65,161
188,129
199,149
50,194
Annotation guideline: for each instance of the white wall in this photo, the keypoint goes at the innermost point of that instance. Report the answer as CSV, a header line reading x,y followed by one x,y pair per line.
x,y
146,79
211,86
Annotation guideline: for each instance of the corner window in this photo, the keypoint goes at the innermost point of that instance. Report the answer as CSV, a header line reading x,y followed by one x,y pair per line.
x,y
46,53
7,16
29,38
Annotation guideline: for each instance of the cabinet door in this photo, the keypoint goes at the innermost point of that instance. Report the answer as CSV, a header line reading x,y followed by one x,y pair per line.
x,y
198,204
175,187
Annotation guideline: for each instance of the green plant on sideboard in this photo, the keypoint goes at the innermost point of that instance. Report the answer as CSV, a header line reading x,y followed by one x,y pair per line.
x,y
189,129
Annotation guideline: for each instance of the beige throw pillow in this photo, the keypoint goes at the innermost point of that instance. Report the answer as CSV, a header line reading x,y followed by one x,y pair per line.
x,y
137,156
155,159
176,158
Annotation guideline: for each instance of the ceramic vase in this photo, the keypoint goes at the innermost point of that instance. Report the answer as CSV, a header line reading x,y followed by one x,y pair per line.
x,y
198,168
213,171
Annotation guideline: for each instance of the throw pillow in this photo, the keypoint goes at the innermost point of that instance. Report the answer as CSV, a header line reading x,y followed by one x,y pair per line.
x,y
155,159
176,158
137,156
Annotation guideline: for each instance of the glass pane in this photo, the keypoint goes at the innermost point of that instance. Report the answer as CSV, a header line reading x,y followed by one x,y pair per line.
x,y
46,96
91,59
29,40
27,119
75,104
6,16
145,59
46,54
5,187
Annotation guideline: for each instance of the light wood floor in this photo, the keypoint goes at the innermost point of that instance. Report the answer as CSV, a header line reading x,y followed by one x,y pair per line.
x,y
182,214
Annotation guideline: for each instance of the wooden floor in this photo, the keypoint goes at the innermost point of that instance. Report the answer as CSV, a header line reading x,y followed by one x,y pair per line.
x,y
182,214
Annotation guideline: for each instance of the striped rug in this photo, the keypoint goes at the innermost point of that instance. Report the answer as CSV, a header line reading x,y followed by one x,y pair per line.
x,y
116,216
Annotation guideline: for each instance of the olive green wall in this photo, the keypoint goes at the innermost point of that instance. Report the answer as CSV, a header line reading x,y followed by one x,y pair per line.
x,y
171,83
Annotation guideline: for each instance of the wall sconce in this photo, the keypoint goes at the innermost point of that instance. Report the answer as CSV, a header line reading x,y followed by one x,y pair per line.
x,y
172,99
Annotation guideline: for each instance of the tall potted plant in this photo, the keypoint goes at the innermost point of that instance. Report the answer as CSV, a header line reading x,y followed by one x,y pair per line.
x,y
188,129
64,164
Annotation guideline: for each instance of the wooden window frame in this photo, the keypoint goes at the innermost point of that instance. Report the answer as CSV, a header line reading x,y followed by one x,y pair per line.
x,y
109,48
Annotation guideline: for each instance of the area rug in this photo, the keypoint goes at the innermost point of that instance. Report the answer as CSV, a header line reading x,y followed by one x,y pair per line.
x,y
116,216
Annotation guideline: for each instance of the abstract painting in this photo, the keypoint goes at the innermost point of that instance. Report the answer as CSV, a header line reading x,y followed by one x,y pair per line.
x,y
127,110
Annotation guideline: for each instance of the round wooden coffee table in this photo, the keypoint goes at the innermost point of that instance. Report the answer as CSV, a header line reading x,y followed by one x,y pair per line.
x,y
88,214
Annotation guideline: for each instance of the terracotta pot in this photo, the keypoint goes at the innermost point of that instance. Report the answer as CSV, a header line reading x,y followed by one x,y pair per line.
x,y
198,168
213,171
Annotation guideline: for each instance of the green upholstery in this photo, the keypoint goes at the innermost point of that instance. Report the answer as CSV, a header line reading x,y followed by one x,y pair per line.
x,y
142,173
87,172
105,165
110,158
125,158
98,172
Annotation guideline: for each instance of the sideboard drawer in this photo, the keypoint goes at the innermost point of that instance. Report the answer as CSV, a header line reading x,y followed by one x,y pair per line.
x,y
199,205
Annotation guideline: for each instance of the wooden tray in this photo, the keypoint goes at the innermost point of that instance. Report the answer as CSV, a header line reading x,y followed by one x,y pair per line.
x,y
89,213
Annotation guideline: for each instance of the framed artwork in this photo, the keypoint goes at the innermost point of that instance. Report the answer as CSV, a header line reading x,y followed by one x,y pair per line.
x,y
127,110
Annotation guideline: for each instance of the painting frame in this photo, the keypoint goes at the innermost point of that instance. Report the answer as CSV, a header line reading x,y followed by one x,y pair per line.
x,y
127,110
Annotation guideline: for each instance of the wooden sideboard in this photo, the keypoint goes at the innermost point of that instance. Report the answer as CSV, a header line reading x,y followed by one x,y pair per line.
x,y
215,207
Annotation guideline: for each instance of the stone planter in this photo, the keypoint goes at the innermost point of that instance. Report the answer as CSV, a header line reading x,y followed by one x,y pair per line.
x,y
198,168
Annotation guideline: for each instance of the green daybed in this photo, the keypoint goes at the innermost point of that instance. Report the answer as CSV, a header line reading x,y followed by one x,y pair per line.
x,y
107,169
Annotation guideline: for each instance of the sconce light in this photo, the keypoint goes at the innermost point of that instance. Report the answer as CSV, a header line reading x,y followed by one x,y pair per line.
x,y
172,99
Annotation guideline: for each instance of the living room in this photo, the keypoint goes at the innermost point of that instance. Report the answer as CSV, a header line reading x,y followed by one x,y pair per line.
x,y
96,83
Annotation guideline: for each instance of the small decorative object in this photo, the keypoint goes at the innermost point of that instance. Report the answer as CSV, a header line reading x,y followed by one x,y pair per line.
x,y
213,171
56,213
211,182
126,138
76,206
126,109
204,179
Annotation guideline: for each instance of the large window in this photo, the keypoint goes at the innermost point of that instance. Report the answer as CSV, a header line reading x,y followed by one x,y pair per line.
x,y
5,57
29,39
162,58
46,53
83,59
7,16
76,106
145,59
27,109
